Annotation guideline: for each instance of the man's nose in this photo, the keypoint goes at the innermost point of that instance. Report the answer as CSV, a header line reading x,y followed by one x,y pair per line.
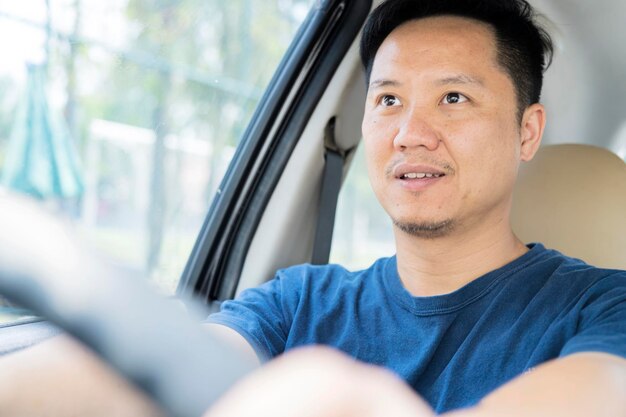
x,y
415,131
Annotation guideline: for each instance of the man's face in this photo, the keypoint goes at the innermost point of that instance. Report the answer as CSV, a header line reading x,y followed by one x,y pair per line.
x,y
441,132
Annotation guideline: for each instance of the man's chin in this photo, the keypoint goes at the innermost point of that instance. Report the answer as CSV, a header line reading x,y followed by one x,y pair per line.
x,y
426,229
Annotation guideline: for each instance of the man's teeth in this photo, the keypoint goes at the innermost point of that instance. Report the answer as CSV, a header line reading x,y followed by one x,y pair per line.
x,y
414,175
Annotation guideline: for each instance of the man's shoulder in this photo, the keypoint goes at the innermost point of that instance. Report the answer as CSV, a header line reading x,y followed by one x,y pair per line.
x,y
332,269
333,274
568,271
571,265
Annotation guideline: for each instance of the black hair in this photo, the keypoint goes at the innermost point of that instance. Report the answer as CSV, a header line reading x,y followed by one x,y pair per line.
x,y
524,48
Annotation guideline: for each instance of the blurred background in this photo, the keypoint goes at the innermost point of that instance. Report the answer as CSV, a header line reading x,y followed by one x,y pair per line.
x,y
123,115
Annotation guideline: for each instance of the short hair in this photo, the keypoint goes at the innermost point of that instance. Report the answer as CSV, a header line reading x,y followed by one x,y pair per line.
x,y
524,48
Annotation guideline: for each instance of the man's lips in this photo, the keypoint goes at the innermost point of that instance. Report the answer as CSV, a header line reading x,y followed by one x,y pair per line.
x,y
419,177
413,172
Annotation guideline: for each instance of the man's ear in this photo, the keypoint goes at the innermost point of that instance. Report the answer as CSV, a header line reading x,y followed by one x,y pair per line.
x,y
533,123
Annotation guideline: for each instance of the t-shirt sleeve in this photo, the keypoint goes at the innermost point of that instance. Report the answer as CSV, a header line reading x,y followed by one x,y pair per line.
x,y
602,319
262,315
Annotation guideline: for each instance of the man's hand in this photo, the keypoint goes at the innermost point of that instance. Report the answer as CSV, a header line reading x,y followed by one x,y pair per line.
x,y
581,385
60,377
316,382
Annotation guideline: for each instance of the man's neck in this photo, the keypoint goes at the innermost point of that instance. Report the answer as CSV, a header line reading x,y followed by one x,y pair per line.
x,y
429,267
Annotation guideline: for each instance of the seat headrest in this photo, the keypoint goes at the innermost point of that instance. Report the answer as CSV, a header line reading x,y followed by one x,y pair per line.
x,y
573,198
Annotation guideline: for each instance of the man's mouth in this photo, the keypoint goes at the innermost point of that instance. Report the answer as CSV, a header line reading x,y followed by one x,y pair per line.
x,y
416,171
420,175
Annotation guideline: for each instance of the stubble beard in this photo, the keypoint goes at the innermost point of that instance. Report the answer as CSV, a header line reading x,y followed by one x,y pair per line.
x,y
426,230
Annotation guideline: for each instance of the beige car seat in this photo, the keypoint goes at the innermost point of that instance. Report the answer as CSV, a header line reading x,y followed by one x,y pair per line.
x,y
573,198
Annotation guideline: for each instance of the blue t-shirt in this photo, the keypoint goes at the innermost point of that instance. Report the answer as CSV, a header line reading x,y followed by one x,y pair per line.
x,y
453,349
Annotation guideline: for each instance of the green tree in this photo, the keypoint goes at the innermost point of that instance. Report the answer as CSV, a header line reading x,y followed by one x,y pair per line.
x,y
211,57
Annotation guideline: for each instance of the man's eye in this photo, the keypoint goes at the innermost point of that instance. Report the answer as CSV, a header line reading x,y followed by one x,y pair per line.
x,y
453,98
389,101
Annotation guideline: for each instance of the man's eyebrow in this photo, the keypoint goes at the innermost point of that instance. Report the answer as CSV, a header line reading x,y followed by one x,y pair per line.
x,y
383,82
452,79
459,79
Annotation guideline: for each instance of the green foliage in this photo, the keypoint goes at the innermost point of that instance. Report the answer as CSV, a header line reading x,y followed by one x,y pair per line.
x,y
211,58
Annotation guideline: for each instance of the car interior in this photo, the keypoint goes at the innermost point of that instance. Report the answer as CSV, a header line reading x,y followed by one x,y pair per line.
x,y
273,209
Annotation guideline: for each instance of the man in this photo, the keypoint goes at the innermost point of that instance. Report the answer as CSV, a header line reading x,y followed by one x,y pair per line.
x,y
465,314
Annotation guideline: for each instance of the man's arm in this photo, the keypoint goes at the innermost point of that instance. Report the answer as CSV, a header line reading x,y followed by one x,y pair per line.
x,y
236,340
60,377
320,382
317,382
583,384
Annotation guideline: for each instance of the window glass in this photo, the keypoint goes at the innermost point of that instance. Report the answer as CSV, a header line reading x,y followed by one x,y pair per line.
x,y
124,114
363,230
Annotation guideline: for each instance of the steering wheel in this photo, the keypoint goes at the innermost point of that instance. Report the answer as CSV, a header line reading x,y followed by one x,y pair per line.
x,y
149,340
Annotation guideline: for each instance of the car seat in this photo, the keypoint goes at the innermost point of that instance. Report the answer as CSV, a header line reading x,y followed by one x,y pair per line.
x,y
573,198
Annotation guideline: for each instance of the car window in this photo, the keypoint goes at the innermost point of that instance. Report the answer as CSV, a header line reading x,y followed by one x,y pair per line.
x,y
122,116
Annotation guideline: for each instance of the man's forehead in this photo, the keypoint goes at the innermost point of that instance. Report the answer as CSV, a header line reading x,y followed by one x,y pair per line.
x,y
452,34
461,25
442,80
457,45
